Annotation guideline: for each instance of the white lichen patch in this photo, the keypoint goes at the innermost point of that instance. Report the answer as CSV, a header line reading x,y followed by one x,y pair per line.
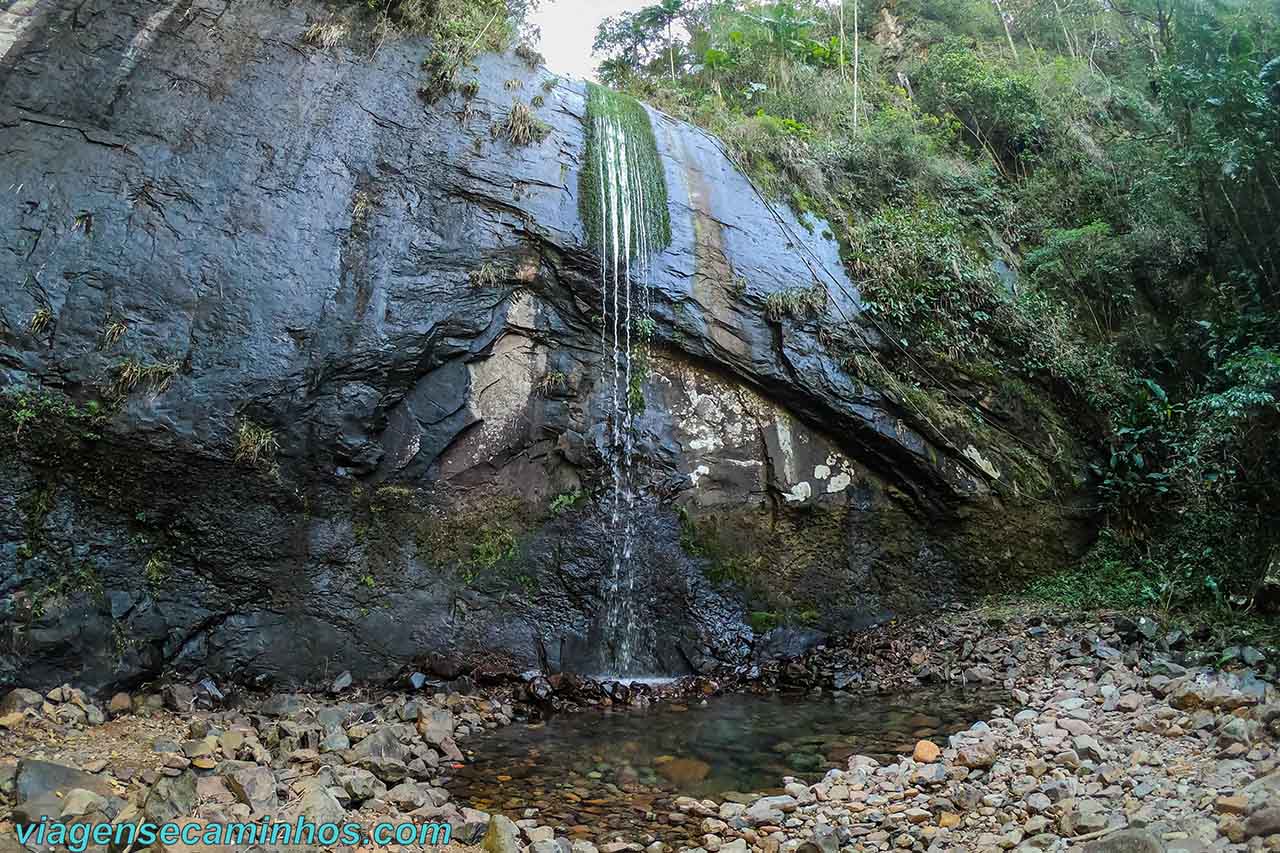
x,y
521,313
724,430
799,493
711,417
786,450
971,453
839,483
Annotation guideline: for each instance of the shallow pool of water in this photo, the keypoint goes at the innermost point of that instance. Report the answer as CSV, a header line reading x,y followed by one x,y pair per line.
x,y
605,774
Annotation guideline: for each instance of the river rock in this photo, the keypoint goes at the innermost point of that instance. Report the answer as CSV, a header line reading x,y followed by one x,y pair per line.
x,y
79,802
20,699
823,840
121,703
502,836
435,725
319,806
769,810
38,778
1126,841
255,787
170,798
1263,823
926,752
415,795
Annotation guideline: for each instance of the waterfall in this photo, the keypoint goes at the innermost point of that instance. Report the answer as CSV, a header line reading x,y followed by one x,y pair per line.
x,y
624,204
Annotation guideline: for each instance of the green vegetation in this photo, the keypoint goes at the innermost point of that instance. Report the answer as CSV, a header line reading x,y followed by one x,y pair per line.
x,y
113,332
552,382
625,115
1070,205
488,274
256,445
530,56
362,204
521,127
494,543
156,569
154,377
69,580
47,424
566,501
799,303
458,29
40,321
474,541
324,33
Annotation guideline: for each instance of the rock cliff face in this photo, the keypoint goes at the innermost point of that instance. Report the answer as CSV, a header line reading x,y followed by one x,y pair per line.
x,y
301,374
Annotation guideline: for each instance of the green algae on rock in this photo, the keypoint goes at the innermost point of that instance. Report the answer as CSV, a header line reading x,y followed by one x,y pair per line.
x,y
623,171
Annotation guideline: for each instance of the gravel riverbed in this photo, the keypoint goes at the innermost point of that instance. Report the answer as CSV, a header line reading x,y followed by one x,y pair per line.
x,y
1115,738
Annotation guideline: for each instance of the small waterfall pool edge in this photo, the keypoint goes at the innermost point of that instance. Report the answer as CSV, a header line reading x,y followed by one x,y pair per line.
x,y
615,774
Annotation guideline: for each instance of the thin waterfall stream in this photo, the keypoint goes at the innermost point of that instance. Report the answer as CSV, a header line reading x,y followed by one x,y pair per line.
x,y
625,211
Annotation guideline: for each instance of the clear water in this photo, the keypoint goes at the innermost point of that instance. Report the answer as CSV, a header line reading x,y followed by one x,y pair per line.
x,y
615,774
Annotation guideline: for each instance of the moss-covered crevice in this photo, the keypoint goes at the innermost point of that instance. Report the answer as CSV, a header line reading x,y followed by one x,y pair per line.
x,y
478,540
611,177
791,567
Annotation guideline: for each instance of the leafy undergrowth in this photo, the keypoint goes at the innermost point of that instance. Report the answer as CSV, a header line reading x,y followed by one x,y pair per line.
x,y
1203,633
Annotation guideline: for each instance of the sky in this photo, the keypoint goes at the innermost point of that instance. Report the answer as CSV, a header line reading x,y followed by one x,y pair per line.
x,y
569,27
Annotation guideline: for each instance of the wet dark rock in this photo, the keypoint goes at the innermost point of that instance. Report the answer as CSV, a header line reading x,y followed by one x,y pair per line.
x,y
179,697
275,277
539,690
282,705
208,694
785,642
447,666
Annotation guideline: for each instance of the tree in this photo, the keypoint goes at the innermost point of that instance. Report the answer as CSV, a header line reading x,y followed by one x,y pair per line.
x,y
638,38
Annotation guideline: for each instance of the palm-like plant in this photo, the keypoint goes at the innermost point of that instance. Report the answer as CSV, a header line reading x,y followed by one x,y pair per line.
x,y
663,16
785,26
787,30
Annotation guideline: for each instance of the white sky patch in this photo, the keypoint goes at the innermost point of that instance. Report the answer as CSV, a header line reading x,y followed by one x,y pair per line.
x,y
569,28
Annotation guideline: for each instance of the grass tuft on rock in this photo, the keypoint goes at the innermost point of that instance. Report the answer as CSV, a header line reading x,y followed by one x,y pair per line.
x,y
256,445
156,377
324,34
522,128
